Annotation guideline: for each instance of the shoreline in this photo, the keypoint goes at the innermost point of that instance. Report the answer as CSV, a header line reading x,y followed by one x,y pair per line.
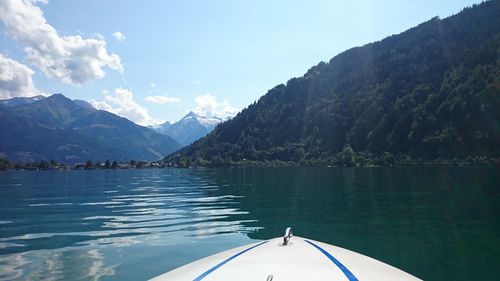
x,y
275,164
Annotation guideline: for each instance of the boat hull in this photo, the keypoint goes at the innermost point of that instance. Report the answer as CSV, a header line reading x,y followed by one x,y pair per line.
x,y
301,259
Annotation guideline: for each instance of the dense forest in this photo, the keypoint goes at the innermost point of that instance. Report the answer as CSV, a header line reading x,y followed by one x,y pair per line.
x,y
431,92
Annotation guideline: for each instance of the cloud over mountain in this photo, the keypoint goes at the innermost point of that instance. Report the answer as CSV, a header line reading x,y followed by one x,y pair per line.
x,y
15,79
162,99
207,105
122,103
71,59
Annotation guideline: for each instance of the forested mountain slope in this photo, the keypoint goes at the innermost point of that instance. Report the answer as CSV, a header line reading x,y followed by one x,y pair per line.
x,y
68,131
431,91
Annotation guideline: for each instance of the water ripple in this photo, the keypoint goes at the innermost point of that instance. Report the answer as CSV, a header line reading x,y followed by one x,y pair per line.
x,y
97,214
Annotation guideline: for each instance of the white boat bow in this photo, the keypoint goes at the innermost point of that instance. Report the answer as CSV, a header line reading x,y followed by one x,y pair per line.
x,y
278,259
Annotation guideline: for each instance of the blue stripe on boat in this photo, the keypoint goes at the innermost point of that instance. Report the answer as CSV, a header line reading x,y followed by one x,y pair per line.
x,y
344,269
203,275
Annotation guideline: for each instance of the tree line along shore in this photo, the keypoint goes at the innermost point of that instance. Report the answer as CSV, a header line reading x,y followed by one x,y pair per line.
x,y
344,159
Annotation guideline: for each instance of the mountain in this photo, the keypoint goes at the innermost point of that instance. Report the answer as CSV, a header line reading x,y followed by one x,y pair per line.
x,y
21,100
161,127
190,128
431,91
67,131
54,111
84,104
131,140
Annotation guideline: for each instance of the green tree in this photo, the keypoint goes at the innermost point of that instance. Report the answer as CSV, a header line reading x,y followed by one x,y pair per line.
x,y
44,165
88,165
298,154
5,164
347,156
387,159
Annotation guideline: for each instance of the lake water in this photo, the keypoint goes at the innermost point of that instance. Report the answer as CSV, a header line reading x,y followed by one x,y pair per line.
x,y
435,223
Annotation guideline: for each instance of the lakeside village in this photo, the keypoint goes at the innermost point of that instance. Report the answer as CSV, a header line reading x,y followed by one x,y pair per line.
x,y
89,165
354,161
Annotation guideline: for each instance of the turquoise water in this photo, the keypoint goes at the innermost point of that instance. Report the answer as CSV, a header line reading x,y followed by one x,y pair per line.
x,y
435,223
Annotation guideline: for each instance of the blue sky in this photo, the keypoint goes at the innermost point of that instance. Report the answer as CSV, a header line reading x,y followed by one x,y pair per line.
x,y
215,57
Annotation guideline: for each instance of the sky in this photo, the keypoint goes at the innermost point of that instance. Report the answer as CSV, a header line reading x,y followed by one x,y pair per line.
x,y
154,61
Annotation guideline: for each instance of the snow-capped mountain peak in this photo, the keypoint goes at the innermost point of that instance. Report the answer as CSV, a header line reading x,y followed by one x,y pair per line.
x,y
206,122
159,127
190,128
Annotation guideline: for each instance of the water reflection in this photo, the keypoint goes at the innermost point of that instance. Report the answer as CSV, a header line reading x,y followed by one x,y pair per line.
x,y
411,218
55,265
135,224
51,225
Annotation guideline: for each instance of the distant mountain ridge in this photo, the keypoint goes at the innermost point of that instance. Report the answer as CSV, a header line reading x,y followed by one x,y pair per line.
x,y
21,100
190,128
70,131
431,91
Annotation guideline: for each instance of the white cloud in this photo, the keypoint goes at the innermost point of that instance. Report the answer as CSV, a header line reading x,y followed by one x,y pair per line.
x,y
119,36
122,103
225,109
162,99
101,105
196,82
207,105
15,79
71,59
99,36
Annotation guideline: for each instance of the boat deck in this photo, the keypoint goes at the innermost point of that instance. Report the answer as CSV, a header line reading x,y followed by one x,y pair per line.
x,y
301,259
